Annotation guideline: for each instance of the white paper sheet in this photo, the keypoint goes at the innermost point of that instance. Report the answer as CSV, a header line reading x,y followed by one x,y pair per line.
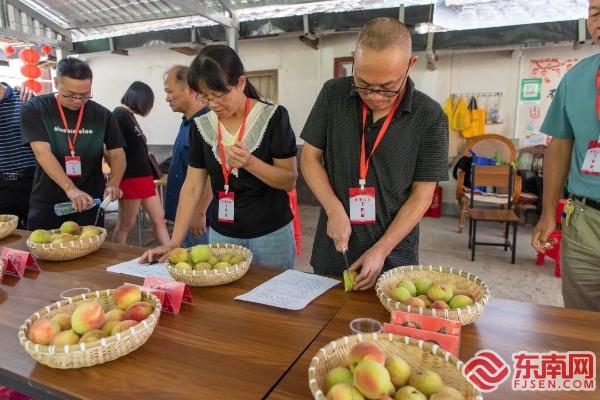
x,y
134,268
291,289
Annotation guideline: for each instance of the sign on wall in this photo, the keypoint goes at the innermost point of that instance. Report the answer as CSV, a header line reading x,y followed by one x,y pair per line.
x,y
531,90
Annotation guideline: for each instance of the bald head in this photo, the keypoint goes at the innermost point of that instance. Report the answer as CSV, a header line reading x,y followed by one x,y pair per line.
x,y
383,33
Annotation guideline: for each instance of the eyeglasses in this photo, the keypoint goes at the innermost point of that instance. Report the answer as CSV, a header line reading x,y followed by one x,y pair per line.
x,y
81,98
365,91
213,99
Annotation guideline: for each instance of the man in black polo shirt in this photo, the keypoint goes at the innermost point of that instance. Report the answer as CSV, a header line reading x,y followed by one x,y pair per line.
x,y
67,133
374,187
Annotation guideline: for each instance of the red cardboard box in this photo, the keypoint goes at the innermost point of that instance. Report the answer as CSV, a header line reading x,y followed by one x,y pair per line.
x,y
450,343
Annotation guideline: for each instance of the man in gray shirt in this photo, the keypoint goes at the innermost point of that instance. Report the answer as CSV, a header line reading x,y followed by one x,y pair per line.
x,y
374,150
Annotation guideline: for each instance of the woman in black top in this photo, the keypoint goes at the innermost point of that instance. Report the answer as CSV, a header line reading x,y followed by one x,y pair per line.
x,y
250,203
137,183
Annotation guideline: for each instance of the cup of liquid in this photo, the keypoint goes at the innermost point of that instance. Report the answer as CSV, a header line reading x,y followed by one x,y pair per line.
x,y
365,325
74,292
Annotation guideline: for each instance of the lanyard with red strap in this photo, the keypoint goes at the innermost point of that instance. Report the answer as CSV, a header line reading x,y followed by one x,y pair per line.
x,y
64,120
221,147
364,161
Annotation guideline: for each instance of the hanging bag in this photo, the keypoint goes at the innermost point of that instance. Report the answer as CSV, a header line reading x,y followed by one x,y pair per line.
x,y
477,116
460,118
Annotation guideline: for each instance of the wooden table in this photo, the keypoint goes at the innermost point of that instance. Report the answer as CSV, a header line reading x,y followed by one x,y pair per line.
x,y
505,326
219,348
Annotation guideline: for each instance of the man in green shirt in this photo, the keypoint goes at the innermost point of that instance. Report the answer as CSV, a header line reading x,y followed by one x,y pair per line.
x,y
68,134
573,121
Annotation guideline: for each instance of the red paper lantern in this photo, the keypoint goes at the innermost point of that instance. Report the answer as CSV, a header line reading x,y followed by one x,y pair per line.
x,y
46,50
10,51
31,71
33,85
29,56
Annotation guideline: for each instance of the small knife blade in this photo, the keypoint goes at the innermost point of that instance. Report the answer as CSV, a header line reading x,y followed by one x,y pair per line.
x,y
345,259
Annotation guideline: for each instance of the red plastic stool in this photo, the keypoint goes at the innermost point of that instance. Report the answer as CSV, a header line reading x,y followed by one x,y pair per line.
x,y
297,223
10,394
555,236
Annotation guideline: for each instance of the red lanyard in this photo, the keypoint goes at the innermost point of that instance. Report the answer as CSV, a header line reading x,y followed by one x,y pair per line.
x,y
598,94
64,120
364,161
227,171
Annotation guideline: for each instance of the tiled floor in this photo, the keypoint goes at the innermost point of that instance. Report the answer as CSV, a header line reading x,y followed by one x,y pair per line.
x,y
440,244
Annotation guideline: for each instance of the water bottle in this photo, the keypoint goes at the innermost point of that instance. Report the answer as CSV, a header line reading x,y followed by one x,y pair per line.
x,y
67,207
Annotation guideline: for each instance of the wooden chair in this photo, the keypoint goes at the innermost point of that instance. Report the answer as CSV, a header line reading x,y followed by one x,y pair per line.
x,y
485,146
500,176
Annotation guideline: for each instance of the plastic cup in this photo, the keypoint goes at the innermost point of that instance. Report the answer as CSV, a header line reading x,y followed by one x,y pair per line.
x,y
365,325
74,292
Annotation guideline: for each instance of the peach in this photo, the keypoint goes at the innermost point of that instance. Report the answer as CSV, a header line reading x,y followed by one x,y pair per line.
x,y
425,300
116,314
87,317
42,331
344,391
415,302
178,255
409,393
65,338
370,350
126,295
449,392
464,292
460,301
92,336
399,370
440,305
87,234
408,285
338,375
427,382
440,292
108,327
422,284
63,320
123,326
401,294
372,379
69,227
139,311
40,236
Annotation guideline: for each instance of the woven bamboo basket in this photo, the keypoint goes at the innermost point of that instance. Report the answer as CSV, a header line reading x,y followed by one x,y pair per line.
x,y
88,354
8,224
462,280
215,277
66,251
419,355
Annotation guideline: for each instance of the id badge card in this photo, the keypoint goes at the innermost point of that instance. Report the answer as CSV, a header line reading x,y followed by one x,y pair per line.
x,y
226,207
591,162
73,166
362,205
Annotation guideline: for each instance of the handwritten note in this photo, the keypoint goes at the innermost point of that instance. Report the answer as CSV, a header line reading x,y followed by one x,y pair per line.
x,y
292,290
134,268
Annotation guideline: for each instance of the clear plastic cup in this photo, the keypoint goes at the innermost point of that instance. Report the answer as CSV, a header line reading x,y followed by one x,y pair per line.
x,y
74,292
365,325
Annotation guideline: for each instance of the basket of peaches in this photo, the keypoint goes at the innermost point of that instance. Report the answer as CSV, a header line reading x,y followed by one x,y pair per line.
x,y
91,328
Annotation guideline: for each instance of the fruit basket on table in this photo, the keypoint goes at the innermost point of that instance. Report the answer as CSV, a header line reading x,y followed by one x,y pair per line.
x,y
58,245
44,337
405,363
473,294
8,224
209,265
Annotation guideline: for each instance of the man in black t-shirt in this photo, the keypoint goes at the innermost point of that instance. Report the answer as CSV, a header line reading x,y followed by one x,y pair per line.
x,y
68,133
403,135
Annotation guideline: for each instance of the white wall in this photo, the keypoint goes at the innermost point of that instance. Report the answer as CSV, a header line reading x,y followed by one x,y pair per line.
x,y
302,72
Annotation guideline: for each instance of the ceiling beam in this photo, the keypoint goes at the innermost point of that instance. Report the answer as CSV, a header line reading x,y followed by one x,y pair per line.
x,y
196,8
28,37
39,17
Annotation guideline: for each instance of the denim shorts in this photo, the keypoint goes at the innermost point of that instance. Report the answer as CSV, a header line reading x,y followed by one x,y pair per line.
x,y
192,240
275,249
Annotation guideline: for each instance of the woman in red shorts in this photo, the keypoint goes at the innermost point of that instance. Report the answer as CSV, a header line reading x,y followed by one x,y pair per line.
x,y
137,183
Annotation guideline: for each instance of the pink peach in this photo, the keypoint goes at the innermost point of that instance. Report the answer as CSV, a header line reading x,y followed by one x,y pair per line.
x,y
42,331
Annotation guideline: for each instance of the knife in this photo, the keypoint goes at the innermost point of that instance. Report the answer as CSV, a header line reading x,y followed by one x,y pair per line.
x,y
345,259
